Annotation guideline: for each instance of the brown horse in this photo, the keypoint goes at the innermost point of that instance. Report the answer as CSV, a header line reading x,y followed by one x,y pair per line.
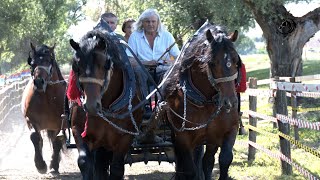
x,y
108,85
202,103
42,104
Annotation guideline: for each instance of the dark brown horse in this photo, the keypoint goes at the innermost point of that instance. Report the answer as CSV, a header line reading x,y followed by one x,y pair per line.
x,y
202,103
42,104
109,89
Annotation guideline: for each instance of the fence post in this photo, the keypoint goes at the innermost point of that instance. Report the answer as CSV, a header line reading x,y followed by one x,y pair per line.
x,y
274,108
281,108
294,106
252,120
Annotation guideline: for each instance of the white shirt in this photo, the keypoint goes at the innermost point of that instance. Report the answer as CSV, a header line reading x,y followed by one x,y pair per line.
x,y
140,46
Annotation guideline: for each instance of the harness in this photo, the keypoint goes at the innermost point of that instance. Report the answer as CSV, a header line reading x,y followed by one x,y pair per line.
x,y
193,95
48,69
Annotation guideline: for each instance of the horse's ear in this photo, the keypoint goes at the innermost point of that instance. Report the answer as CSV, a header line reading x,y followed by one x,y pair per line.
x,y
29,59
32,46
51,49
233,36
210,38
54,45
74,44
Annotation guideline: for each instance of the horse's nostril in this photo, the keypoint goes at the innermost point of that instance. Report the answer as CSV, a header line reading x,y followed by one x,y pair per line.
x,y
38,82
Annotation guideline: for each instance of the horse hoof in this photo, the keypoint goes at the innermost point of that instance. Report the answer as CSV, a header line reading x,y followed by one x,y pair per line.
x,y
42,169
54,172
242,131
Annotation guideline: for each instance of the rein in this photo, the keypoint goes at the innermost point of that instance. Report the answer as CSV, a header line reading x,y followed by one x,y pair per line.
x,y
184,118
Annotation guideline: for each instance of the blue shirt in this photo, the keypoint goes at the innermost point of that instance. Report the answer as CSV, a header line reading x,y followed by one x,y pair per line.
x,y
140,46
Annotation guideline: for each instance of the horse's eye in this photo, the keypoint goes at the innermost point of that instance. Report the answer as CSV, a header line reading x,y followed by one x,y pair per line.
x,y
228,64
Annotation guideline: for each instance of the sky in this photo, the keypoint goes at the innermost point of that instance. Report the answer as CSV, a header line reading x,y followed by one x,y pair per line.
x,y
297,10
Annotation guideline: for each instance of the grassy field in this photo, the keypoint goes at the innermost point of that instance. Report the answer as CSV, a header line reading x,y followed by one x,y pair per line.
x,y
266,167
258,65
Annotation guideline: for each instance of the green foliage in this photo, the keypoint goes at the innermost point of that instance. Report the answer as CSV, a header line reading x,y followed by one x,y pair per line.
x,y
37,21
245,45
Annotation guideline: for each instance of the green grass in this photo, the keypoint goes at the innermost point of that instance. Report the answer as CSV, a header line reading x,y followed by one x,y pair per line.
x,y
258,65
264,166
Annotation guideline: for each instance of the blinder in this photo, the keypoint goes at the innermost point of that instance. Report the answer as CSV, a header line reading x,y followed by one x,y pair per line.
x,y
77,64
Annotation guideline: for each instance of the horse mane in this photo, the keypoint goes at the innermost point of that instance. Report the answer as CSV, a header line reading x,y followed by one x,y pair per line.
x,y
111,45
58,70
200,49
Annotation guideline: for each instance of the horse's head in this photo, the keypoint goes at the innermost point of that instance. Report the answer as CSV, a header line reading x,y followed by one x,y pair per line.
x,y
41,59
93,64
223,65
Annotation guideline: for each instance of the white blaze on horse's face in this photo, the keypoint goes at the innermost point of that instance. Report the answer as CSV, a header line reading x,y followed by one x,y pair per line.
x,y
227,58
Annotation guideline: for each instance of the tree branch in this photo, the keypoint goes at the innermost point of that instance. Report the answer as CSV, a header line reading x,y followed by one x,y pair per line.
x,y
309,24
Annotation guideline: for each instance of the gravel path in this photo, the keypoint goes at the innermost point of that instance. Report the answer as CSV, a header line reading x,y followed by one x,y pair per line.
x,y
16,157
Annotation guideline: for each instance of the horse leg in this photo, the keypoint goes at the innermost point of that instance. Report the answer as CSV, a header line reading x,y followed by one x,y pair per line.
x,y
38,158
208,161
117,166
185,167
226,154
85,163
102,159
57,144
197,159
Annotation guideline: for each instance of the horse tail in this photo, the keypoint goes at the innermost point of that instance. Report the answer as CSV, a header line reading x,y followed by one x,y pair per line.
x,y
53,135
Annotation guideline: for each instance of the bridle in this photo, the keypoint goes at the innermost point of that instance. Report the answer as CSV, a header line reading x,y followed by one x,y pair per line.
x,y
101,82
47,69
214,81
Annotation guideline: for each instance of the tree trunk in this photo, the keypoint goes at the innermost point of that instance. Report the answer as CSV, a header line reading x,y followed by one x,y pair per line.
x,y
283,53
285,35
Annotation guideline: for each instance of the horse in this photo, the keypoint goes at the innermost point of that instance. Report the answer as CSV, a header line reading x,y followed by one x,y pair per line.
x,y
104,128
201,103
42,104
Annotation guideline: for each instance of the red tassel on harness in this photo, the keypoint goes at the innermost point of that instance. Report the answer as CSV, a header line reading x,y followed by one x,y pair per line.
x,y
73,92
84,133
242,87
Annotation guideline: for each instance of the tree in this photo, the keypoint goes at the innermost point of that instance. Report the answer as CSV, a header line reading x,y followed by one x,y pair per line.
x,y
245,45
37,21
285,34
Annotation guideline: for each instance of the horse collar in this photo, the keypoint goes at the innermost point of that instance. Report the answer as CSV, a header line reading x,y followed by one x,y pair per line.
x,y
193,94
123,99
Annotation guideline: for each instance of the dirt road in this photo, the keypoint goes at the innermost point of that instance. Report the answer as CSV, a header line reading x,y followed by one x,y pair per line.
x,y
16,157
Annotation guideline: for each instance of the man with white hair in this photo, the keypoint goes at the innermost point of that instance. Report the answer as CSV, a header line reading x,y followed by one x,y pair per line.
x,y
150,42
